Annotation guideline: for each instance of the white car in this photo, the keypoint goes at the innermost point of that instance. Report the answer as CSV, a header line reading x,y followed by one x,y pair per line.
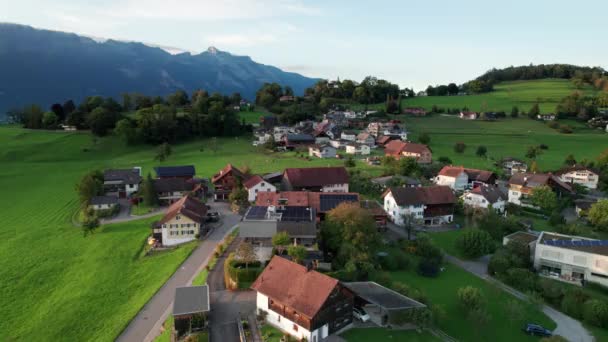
x,y
360,314
256,143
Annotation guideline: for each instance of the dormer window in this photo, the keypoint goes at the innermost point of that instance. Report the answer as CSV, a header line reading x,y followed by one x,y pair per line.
x,y
177,217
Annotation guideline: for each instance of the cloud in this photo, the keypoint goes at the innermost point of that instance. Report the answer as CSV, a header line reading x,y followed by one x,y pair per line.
x,y
242,40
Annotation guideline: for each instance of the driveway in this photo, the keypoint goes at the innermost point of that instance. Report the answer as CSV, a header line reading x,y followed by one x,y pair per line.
x,y
147,323
227,306
567,327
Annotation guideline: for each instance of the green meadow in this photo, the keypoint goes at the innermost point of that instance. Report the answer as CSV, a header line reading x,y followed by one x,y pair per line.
x,y
523,94
58,284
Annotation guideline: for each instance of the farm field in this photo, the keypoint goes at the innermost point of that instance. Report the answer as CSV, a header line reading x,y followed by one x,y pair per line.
x,y
523,94
442,291
60,285
504,138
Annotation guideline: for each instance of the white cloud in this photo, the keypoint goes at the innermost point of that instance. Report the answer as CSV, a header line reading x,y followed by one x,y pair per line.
x,y
242,40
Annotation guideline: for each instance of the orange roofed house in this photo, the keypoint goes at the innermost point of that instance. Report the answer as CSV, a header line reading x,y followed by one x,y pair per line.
x,y
320,179
226,180
183,221
302,302
399,149
321,202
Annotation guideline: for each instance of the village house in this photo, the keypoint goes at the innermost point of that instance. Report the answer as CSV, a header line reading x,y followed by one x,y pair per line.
x,y
256,184
460,178
103,203
321,137
375,209
261,223
546,117
337,144
432,205
467,115
365,138
281,131
121,183
415,111
572,259
375,128
522,185
183,221
185,172
384,139
582,206
386,181
304,303
190,309
321,202
287,98
293,140
170,190
400,149
484,196
512,166
580,175
395,131
322,151
225,181
357,149
349,136
261,136
320,179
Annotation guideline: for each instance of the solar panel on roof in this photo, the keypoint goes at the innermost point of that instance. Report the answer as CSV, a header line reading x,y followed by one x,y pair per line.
x,y
329,202
257,212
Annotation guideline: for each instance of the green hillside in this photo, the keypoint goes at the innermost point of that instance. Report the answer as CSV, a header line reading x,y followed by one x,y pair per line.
x,y
524,94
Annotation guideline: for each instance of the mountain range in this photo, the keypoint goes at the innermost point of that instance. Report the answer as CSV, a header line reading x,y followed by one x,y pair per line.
x,y
45,67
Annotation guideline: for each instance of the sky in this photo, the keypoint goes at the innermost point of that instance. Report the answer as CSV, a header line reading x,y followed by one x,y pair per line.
x,y
412,43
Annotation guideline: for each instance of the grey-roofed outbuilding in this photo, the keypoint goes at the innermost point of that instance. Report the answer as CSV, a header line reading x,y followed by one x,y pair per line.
x,y
191,300
385,298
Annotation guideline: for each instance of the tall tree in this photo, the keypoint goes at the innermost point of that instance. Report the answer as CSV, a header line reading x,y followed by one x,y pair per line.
x,y
245,254
149,195
90,185
297,253
598,215
544,198
163,152
280,241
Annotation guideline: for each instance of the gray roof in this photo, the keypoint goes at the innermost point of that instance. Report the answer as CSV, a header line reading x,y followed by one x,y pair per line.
x,y
98,200
384,297
491,193
191,299
127,176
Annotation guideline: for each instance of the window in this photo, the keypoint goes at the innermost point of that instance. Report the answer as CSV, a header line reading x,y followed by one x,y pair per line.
x,y
295,327
177,217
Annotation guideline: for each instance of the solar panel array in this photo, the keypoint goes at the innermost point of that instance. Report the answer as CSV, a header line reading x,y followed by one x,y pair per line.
x,y
576,243
295,213
328,202
256,213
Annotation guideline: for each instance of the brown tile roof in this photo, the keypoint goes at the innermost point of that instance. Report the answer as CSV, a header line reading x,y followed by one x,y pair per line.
x,y
252,181
429,195
523,237
575,168
187,206
295,286
490,193
532,180
300,198
480,175
316,176
416,148
226,170
383,139
451,171
394,147
363,136
173,184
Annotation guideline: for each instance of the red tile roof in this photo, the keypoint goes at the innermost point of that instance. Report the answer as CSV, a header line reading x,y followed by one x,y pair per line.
x,y
416,148
252,181
451,171
187,206
295,286
316,176
226,170
396,147
297,198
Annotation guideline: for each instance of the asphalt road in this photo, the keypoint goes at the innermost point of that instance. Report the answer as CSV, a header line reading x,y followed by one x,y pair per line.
x,y
227,306
147,324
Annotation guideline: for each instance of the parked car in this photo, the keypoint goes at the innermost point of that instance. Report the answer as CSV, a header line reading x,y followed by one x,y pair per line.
x,y
537,330
360,314
213,217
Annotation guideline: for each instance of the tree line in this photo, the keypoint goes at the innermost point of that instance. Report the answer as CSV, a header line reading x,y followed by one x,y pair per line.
x,y
155,119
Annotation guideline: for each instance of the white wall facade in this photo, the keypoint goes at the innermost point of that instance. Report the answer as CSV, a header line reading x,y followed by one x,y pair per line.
x,y
335,188
131,189
594,266
458,183
349,137
323,152
179,230
261,186
285,324
102,206
478,201
396,212
585,178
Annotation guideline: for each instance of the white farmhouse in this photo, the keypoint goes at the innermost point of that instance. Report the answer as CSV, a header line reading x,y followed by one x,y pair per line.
x,y
322,151
182,222
482,196
431,205
357,149
580,175
255,184
454,177
348,135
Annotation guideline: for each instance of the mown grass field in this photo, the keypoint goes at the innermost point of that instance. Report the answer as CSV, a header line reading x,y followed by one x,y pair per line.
x,y
504,138
523,94
252,117
442,291
59,285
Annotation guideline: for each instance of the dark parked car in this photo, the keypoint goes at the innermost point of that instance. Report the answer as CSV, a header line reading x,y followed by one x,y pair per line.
x,y
536,330
213,217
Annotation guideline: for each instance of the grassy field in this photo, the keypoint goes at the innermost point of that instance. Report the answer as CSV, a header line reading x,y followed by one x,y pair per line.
x,y
442,291
381,334
504,138
58,284
252,117
523,94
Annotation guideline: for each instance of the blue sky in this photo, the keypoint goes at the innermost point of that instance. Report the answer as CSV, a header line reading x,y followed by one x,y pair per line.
x,y
412,43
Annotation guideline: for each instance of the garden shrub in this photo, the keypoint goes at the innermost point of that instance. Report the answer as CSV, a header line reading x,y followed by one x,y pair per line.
x,y
572,303
595,311
429,267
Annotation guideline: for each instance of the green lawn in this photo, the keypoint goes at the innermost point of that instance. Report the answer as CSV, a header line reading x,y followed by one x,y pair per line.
x,y
60,285
504,138
382,334
442,291
271,334
252,117
447,242
141,209
548,93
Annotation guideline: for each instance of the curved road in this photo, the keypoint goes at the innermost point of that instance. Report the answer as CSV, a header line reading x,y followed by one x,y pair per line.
x,y
147,324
